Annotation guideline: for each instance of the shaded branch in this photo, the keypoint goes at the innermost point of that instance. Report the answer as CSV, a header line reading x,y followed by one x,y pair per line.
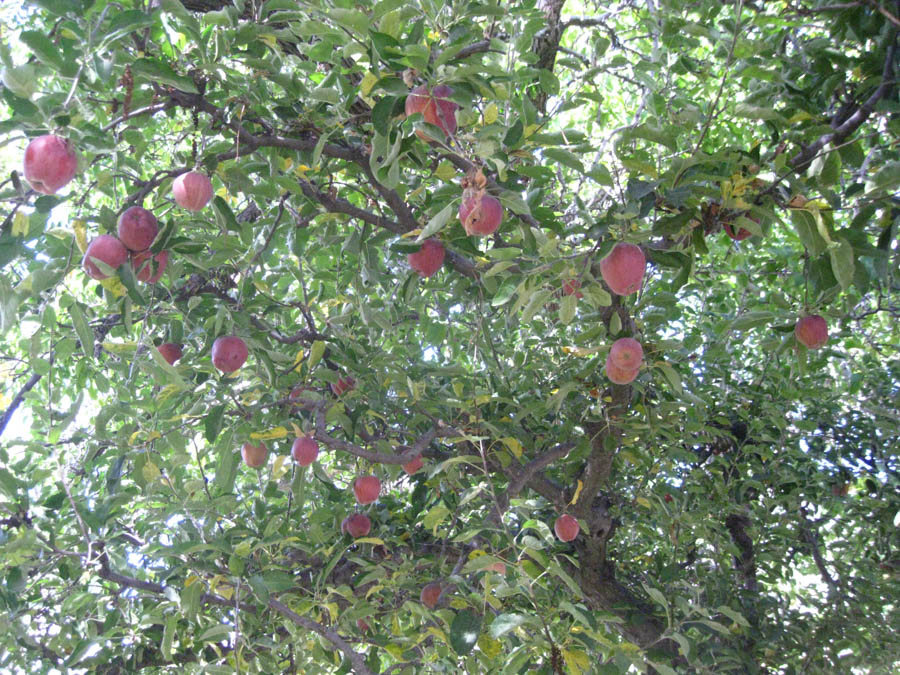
x,y
17,400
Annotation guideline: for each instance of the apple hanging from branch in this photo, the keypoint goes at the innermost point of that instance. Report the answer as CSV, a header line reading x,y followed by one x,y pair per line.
x,y
50,163
229,353
623,269
107,249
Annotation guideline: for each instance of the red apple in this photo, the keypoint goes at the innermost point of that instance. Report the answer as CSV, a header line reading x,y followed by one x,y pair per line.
x,y
619,375
170,352
623,269
435,108
566,527
497,567
668,498
571,287
480,215
192,190
107,249
740,235
413,465
431,594
229,353
811,331
50,163
428,259
343,385
356,525
362,625
305,450
626,354
149,270
254,455
137,228
366,489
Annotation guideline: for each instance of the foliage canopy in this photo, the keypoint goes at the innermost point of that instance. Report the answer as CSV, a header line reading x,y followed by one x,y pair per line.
x,y
738,501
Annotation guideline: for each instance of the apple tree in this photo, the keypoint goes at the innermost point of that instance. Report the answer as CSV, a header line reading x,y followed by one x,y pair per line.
x,y
399,336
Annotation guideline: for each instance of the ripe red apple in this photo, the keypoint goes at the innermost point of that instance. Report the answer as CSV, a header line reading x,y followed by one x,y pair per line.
x,y
571,287
362,625
740,235
619,375
811,331
497,567
668,498
170,352
366,489
480,215
413,465
435,108
137,228
254,455
343,385
192,190
229,353
566,527
305,450
428,259
50,163
623,269
147,270
107,249
431,594
626,354
356,525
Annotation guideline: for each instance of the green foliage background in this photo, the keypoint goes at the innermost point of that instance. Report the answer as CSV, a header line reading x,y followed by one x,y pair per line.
x,y
738,501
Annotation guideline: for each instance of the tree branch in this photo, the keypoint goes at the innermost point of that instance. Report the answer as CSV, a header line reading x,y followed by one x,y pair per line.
x,y
17,400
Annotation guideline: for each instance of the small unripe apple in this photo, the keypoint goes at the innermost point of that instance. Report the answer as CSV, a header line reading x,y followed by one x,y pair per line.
x,y
343,385
811,331
413,465
619,375
626,354
623,269
229,353
572,287
305,450
356,525
435,108
50,163
428,259
107,249
137,228
366,489
566,527
147,269
431,594
480,216
170,352
192,190
254,455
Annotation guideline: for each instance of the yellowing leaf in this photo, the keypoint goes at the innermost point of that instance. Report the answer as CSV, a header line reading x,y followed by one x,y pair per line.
x,y
643,501
20,224
279,469
369,540
269,39
577,662
261,287
438,633
577,494
114,286
192,579
514,446
367,83
78,227
491,113
297,432
272,434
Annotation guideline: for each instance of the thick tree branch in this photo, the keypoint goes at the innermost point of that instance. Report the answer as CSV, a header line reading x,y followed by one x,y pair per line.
x,y
802,160
17,400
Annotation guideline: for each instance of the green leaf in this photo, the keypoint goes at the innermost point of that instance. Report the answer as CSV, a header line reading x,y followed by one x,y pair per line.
x,y
842,262
83,329
464,631
567,309
45,51
504,623
152,70
165,646
805,225
565,158
437,223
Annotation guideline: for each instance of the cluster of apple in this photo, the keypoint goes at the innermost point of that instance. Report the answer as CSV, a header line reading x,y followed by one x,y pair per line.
x,y
479,212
